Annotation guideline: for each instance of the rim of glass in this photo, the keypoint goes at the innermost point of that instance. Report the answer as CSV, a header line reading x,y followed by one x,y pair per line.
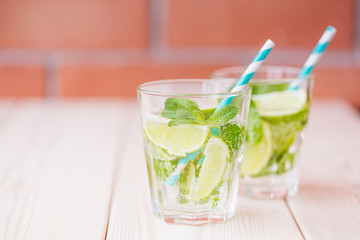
x,y
141,88
221,74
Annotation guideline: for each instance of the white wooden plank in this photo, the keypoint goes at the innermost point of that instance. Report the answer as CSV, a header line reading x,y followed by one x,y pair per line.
x,y
16,134
125,221
53,186
328,203
5,106
131,215
57,169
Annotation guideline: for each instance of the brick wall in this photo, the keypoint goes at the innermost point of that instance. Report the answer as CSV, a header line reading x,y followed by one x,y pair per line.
x,y
105,48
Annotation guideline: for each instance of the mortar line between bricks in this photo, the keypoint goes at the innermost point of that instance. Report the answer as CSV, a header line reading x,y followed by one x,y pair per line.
x,y
357,25
174,56
51,78
157,27
357,30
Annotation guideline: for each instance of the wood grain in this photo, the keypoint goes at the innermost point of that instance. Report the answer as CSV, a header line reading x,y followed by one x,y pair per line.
x,y
56,170
328,203
131,215
4,106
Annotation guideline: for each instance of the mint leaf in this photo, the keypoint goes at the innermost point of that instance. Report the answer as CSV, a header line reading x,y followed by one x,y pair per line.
x,y
181,114
176,122
182,111
233,136
180,108
223,115
199,115
282,163
254,128
163,169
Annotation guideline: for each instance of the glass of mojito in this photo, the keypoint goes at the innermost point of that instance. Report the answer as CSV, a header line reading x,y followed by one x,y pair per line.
x,y
279,110
193,152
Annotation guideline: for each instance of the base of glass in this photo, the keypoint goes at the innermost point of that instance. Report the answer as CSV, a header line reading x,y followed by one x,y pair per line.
x,y
266,192
194,219
269,187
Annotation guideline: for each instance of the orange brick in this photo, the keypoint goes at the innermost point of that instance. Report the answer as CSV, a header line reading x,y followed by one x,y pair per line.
x,y
236,23
79,23
121,81
338,82
22,81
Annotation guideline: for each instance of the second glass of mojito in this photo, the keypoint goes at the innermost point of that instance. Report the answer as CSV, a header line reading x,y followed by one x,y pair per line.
x,y
278,114
193,152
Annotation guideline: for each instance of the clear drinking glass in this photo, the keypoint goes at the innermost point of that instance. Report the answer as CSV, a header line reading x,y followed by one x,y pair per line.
x,y
193,155
278,114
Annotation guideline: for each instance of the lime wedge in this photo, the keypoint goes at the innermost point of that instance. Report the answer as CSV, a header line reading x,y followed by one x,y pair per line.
x,y
280,103
187,179
216,156
257,155
177,140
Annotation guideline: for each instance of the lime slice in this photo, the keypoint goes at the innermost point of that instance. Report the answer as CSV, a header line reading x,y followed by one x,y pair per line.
x,y
216,156
187,179
257,155
177,140
280,103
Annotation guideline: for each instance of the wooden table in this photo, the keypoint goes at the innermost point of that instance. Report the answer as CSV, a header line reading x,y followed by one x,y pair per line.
x,y
76,170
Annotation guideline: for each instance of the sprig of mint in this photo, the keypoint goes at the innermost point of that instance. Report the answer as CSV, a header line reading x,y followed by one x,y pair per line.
x,y
254,127
182,111
163,169
233,136
186,111
223,115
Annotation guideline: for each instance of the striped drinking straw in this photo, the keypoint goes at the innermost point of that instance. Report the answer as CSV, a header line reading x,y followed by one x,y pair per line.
x,y
316,54
249,72
245,78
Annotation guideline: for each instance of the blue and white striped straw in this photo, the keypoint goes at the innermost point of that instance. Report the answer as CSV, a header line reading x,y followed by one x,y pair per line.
x,y
316,54
249,72
245,78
